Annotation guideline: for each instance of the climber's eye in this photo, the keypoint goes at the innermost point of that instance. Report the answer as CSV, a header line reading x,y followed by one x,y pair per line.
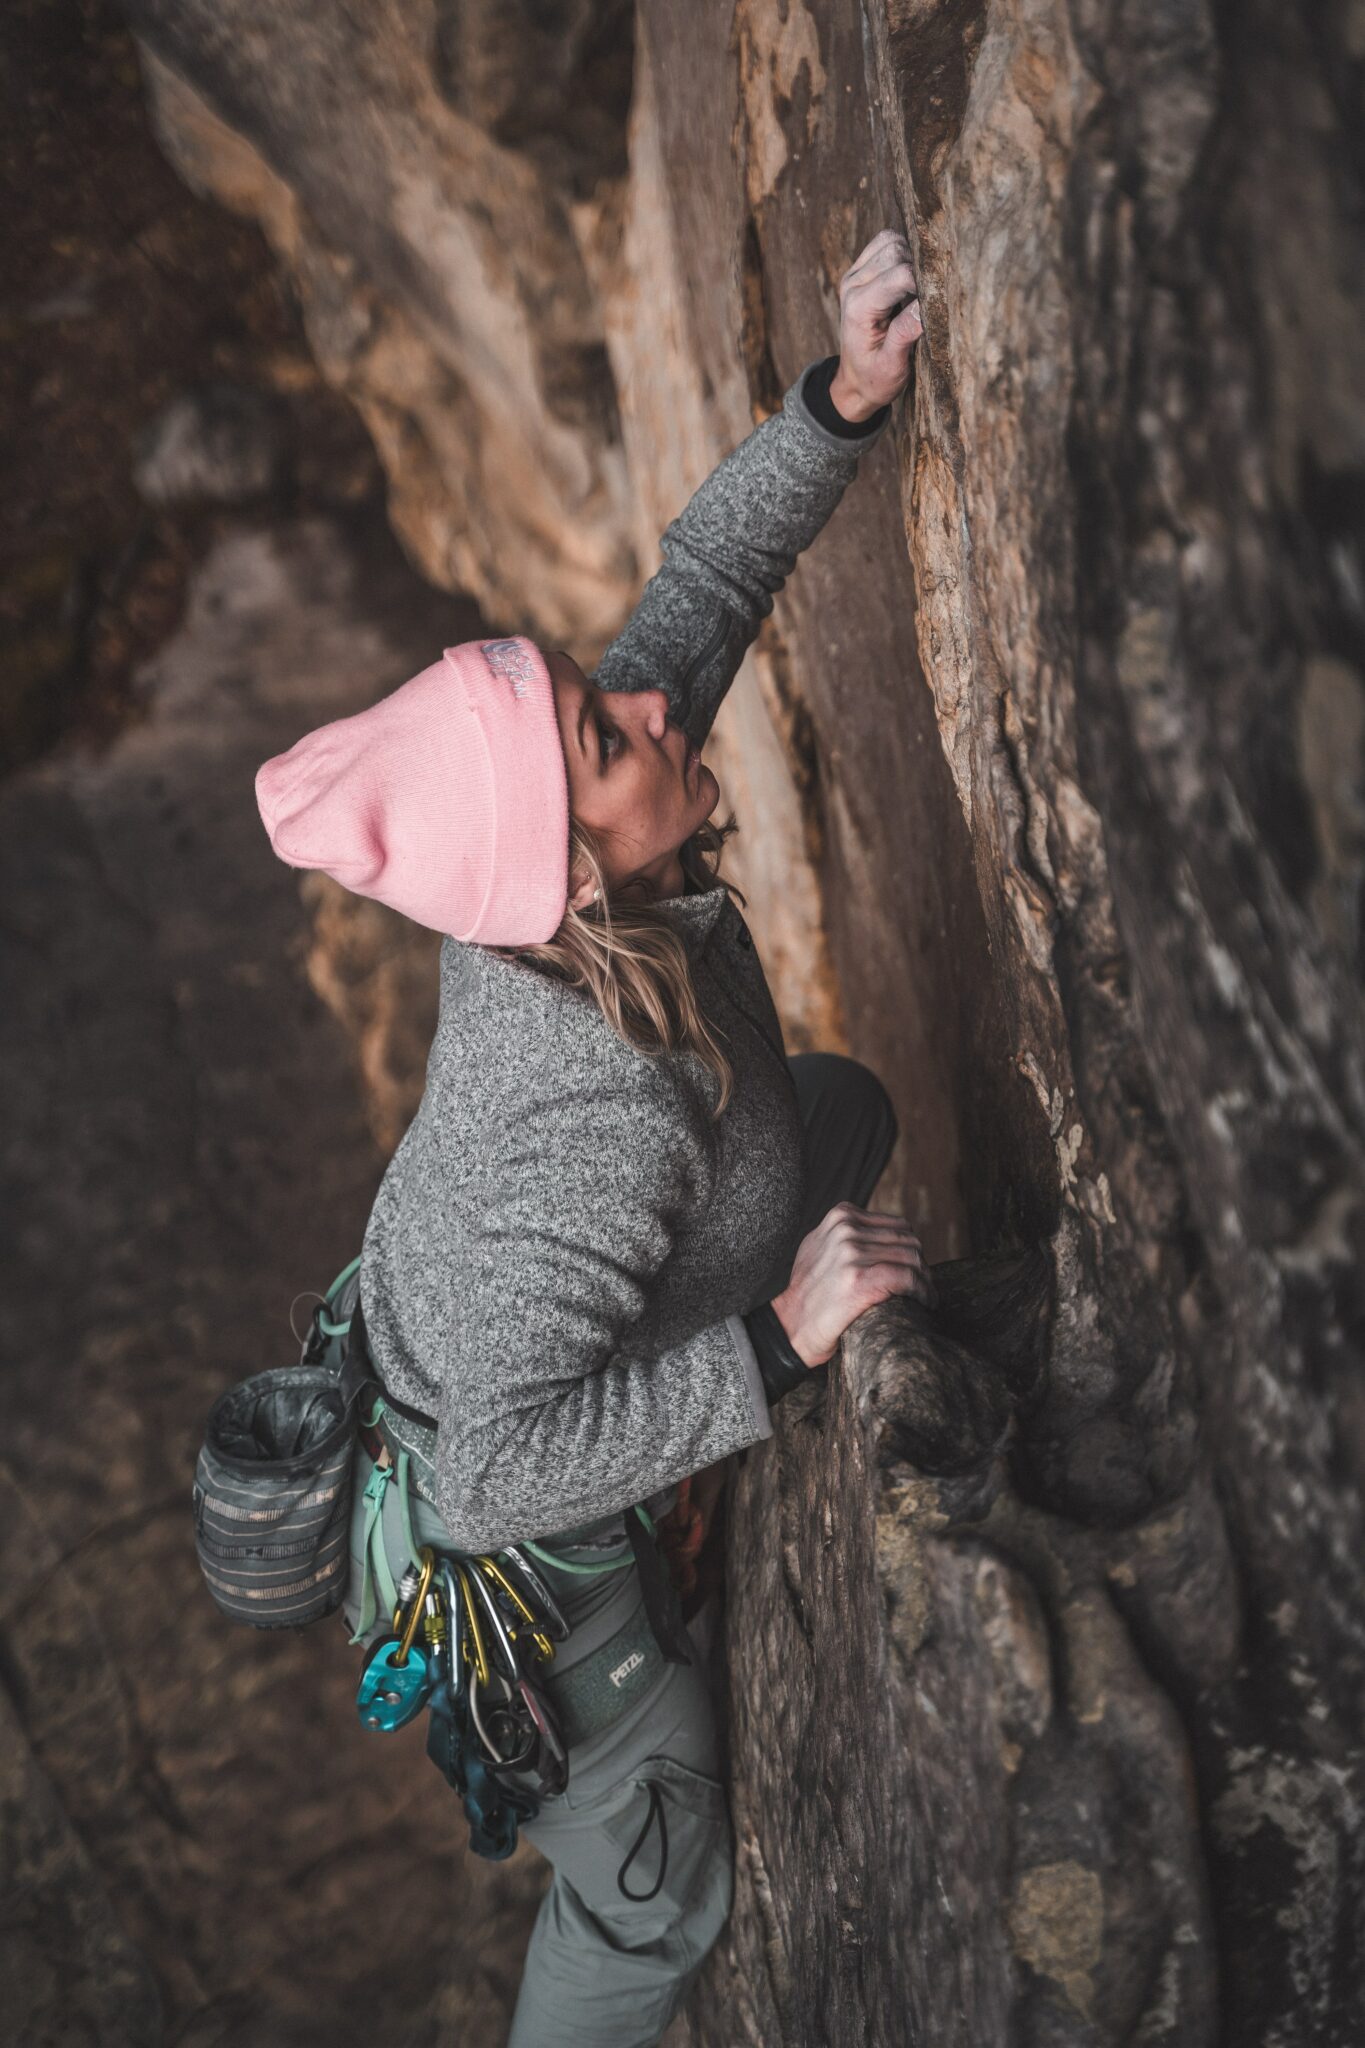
x,y
605,734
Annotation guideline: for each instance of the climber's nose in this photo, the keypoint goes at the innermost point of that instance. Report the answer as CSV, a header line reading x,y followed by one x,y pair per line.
x,y
655,711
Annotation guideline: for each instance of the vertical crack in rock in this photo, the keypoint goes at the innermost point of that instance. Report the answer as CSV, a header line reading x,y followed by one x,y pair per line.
x,y
765,386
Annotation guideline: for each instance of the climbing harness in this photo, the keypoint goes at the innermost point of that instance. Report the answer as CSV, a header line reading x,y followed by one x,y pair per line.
x,y
472,1639
501,1719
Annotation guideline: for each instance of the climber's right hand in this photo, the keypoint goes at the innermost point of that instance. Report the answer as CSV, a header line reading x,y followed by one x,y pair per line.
x,y
879,324
850,1261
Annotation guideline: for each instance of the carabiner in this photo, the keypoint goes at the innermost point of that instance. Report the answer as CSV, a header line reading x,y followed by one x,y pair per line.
x,y
551,1615
538,1636
502,1704
482,1671
427,1559
501,1639
455,1610
435,1631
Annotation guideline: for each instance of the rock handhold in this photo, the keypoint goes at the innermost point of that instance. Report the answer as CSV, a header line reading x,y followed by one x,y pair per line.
x,y
939,1388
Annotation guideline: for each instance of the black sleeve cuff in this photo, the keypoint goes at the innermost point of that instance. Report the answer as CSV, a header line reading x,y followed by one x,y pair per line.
x,y
780,1367
815,391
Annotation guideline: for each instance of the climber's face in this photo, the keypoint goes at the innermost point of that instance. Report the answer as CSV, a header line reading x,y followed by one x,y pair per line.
x,y
634,779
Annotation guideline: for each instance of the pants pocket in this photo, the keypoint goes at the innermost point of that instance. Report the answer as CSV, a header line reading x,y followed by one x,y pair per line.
x,y
670,1840
601,1969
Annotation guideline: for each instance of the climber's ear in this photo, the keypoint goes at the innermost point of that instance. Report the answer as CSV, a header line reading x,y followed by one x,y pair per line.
x,y
581,888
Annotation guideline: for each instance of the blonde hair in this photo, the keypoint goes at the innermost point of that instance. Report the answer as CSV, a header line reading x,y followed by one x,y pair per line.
x,y
628,956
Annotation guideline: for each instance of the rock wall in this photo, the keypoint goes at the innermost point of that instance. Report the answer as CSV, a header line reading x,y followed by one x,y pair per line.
x,y
1048,764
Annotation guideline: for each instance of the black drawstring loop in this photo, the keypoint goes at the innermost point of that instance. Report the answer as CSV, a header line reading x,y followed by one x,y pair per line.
x,y
656,1807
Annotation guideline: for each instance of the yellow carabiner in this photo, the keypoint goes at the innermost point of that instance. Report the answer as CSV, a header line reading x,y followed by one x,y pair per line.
x,y
427,1559
498,1576
471,1614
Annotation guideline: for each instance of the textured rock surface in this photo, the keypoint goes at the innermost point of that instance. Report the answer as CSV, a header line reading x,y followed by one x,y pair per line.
x,y
1048,764
1132,558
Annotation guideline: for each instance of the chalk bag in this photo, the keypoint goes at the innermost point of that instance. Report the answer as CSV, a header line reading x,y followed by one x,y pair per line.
x,y
272,1486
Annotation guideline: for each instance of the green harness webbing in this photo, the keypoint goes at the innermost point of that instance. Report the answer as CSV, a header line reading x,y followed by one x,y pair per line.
x,y
562,1564
375,1556
327,1328
376,1561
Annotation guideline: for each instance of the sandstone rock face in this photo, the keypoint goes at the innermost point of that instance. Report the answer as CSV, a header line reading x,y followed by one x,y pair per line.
x,y
1048,767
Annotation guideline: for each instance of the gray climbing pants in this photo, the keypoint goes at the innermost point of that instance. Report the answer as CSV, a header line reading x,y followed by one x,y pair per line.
x,y
640,1840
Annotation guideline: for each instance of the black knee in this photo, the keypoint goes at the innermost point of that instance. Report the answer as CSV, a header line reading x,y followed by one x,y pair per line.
x,y
881,1117
864,1100
879,1110
847,1109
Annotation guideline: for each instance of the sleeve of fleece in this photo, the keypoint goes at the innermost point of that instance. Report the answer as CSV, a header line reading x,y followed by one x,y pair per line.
x,y
548,1417
728,553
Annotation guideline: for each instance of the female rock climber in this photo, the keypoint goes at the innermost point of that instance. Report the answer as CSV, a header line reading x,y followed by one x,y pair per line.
x,y
622,1222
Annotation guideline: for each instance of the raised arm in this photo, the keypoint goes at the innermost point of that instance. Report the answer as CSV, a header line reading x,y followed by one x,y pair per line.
x,y
737,540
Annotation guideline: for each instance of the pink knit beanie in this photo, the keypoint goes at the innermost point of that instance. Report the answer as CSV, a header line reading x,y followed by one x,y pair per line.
x,y
447,800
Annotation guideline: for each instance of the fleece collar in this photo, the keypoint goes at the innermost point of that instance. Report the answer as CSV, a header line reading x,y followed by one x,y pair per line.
x,y
694,916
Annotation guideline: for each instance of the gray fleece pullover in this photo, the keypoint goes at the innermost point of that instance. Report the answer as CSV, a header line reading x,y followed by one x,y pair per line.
x,y
564,1244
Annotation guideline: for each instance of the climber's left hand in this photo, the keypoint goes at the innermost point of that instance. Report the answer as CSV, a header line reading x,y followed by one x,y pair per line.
x,y
879,324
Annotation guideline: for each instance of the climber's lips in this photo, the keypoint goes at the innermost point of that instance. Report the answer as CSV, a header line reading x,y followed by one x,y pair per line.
x,y
691,762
